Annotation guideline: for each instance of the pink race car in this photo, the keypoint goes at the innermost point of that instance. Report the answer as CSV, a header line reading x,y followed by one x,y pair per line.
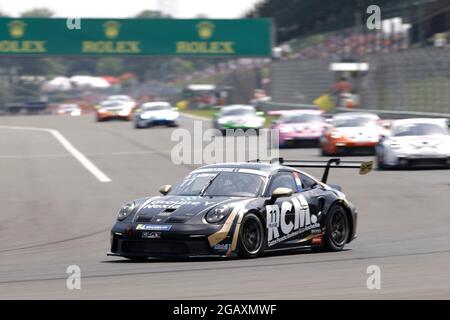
x,y
299,127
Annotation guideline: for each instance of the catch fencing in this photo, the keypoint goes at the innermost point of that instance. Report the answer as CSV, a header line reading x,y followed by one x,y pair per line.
x,y
412,80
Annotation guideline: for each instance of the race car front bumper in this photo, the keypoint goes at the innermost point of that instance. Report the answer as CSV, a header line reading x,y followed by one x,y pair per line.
x,y
156,122
181,240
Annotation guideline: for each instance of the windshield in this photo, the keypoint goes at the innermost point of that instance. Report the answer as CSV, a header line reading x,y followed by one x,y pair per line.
x,y
353,122
119,98
112,104
156,108
302,118
238,112
418,129
226,184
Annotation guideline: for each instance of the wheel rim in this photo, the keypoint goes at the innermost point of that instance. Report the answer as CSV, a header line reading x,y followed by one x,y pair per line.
x,y
252,236
339,228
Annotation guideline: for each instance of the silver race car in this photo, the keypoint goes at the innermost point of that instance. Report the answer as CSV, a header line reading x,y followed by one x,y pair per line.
x,y
415,143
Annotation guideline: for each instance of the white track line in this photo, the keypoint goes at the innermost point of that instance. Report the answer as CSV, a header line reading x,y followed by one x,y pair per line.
x,y
85,162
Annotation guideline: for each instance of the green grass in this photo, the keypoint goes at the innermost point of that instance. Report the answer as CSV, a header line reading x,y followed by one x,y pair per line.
x,y
209,113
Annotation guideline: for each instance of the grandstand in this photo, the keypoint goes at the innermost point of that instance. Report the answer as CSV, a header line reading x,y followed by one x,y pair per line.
x,y
301,18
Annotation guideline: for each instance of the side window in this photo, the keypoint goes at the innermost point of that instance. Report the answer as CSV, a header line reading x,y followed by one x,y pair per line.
x,y
307,182
282,180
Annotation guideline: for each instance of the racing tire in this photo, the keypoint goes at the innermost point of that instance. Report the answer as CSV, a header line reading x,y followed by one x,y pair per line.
x,y
337,230
380,163
324,153
251,237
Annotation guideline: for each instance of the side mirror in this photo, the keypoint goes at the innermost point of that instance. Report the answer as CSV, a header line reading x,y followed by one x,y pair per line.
x,y
280,193
165,189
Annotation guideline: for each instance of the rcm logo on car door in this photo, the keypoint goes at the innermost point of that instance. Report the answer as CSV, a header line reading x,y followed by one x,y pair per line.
x,y
283,225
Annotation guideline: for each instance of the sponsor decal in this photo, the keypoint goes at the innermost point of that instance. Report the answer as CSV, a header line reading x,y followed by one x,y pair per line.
x,y
154,227
205,31
223,247
111,31
17,30
151,235
279,228
167,204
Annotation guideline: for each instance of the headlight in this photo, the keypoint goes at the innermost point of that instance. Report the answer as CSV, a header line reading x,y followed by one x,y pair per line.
x,y
145,116
125,211
217,214
335,135
394,145
285,129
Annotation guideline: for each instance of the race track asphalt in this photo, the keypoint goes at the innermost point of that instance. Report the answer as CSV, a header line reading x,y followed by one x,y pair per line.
x,y
54,213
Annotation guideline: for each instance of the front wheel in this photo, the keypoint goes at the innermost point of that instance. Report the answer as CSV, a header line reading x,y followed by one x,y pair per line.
x,y
251,237
337,229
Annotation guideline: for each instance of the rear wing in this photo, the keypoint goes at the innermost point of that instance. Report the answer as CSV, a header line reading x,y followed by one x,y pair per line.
x,y
364,166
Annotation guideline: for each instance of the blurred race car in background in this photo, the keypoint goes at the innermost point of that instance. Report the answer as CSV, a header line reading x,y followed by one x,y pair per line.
x,y
351,132
71,109
415,143
114,109
238,117
239,209
299,127
123,98
156,113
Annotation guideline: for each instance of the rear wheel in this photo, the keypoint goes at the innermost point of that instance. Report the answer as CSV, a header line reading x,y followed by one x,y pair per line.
x,y
251,236
337,229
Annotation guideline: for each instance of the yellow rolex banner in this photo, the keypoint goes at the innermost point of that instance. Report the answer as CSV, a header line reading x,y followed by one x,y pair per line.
x,y
324,102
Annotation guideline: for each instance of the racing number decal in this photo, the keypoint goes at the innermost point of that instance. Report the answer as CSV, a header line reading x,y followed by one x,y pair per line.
x,y
278,226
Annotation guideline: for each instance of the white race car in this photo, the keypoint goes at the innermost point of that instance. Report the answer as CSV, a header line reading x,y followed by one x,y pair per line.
x,y
415,143
156,113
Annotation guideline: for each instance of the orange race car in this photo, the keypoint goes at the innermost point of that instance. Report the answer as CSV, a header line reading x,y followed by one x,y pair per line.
x,y
351,132
114,110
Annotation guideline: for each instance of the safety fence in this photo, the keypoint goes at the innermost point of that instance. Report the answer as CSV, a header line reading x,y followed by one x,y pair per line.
x,y
413,80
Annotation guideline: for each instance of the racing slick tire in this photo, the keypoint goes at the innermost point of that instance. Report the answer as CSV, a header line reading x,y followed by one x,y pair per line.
x,y
380,163
251,237
324,153
337,230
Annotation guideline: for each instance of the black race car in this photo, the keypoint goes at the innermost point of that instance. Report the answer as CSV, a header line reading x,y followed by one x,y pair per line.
x,y
239,209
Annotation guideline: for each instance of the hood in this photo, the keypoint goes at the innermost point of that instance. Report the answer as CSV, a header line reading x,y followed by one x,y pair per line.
x,y
158,113
371,132
176,209
421,141
238,119
302,126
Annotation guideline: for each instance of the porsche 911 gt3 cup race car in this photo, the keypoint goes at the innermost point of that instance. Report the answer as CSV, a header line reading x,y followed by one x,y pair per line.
x,y
239,209
415,143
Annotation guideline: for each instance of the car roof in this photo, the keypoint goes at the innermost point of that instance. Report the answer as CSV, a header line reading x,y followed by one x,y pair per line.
x,y
439,121
155,104
356,114
238,106
259,166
